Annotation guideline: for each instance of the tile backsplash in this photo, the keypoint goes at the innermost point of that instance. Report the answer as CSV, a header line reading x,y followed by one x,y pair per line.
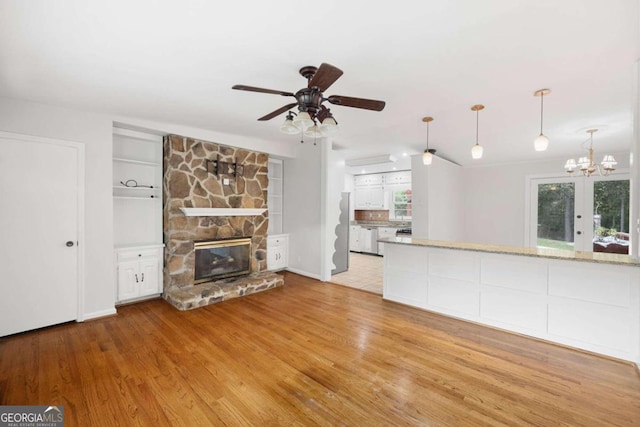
x,y
371,215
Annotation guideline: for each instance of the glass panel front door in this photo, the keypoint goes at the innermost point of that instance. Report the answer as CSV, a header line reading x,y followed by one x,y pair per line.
x,y
555,215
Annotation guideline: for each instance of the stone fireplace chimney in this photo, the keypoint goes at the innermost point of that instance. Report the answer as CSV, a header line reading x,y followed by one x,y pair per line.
x,y
189,182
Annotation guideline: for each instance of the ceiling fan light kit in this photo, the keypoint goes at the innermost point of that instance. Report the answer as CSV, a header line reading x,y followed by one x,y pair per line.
x,y
313,118
541,142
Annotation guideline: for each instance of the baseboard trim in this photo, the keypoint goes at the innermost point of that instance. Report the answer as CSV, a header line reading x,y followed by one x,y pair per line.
x,y
98,314
304,273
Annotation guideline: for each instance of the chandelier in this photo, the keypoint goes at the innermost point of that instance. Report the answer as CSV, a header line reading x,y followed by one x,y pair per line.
x,y
587,166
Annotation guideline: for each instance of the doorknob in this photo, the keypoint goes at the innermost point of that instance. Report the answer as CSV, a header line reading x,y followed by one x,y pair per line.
x,y
69,243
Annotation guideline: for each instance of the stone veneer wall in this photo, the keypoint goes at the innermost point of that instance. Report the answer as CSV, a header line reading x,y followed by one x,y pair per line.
x,y
187,183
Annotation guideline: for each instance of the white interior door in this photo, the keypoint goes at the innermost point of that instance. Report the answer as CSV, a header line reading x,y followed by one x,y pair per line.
x,y
39,192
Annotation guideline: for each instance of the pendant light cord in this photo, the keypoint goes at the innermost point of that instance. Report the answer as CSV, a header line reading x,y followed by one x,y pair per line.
x,y
477,124
541,110
427,136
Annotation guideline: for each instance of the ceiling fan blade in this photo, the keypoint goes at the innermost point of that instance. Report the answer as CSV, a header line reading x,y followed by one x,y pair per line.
x,y
326,75
277,112
261,90
367,104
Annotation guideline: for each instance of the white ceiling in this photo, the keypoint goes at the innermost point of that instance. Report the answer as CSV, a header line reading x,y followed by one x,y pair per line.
x,y
175,62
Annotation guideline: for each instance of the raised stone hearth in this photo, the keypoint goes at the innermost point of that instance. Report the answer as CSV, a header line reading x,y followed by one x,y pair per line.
x,y
188,298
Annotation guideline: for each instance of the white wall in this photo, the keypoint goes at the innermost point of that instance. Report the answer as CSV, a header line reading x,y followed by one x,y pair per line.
x,y
494,199
437,200
283,148
303,211
635,170
94,131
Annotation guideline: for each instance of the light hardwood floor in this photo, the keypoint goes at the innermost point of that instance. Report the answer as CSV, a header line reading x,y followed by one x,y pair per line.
x,y
309,354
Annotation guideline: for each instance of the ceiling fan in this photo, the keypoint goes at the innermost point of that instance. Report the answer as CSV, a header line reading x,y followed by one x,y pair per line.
x,y
309,102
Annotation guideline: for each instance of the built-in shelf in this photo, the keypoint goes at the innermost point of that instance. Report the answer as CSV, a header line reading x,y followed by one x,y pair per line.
x,y
141,188
136,162
221,211
137,197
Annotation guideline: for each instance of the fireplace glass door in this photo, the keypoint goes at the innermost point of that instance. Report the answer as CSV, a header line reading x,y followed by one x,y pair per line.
x,y
217,259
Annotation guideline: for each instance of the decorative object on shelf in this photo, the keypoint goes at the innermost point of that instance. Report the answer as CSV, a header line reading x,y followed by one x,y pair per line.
x,y
476,150
132,183
313,119
541,142
427,157
218,167
586,164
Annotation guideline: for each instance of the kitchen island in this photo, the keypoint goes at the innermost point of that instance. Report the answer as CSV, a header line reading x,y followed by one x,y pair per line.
x,y
585,300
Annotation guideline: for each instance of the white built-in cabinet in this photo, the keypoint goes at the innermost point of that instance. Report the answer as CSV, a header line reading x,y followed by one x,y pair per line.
x,y
277,243
137,213
139,272
278,252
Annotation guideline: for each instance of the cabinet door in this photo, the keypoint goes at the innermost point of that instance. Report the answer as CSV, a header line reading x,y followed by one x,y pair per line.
x,y
149,277
128,280
354,238
376,198
365,240
362,198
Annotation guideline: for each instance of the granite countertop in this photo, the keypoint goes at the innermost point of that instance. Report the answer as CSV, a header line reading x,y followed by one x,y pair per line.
x,y
597,257
392,224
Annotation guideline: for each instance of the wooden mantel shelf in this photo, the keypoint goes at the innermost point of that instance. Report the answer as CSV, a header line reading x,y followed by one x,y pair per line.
x,y
222,211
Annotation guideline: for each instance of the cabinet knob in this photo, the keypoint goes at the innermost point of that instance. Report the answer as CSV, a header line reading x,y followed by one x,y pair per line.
x,y
579,232
69,243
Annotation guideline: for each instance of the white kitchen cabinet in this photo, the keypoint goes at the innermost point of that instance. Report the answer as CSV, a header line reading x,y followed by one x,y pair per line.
x,y
370,198
139,270
368,180
354,238
277,252
401,177
383,233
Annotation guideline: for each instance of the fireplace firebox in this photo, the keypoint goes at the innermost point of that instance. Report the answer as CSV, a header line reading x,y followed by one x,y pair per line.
x,y
218,259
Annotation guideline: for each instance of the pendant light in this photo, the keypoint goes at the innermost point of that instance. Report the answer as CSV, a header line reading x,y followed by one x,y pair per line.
x,y
476,150
427,157
541,142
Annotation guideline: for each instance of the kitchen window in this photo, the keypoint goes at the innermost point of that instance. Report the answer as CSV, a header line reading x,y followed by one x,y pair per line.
x,y
400,207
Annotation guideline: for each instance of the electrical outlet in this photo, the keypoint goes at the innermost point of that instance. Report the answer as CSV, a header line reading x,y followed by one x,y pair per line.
x,y
225,181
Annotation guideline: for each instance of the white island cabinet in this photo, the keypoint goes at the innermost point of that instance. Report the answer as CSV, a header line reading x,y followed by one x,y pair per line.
x,y
583,300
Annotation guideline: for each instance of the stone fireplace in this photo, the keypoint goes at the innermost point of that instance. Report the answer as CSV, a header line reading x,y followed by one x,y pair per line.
x,y
205,204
